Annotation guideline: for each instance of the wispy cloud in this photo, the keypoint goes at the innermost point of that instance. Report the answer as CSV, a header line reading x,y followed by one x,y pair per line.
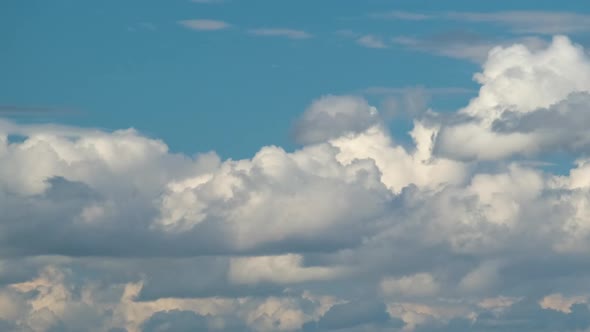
x,y
204,24
525,21
475,52
385,90
365,40
16,110
401,15
371,41
530,21
280,32
208,1
462,46
410,100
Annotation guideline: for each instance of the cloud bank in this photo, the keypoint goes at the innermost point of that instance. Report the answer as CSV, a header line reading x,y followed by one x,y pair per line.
x,y
110,231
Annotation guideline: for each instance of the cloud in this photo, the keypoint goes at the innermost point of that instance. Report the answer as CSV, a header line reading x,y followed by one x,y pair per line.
x,y
560,303
385,90
176,320
421,284
286,269
517,106
208,1
371,41
540,22
204,24
347,315
411,101
521,21
14,110
352,231
332,116
461,45
401,15
279,32
364,40
457,49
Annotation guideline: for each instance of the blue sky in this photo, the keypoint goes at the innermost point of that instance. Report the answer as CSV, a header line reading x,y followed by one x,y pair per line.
x,y
130,63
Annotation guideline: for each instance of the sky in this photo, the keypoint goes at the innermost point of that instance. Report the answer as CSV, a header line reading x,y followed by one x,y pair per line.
x,y
280,165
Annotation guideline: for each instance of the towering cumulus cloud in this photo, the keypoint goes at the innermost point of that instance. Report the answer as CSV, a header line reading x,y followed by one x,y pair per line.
x,y
109,231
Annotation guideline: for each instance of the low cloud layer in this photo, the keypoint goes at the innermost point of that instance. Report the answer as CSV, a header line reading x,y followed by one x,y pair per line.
x,y
110,231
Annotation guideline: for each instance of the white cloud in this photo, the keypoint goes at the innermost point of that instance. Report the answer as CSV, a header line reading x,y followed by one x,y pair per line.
x,y
205,24
523,103
280,32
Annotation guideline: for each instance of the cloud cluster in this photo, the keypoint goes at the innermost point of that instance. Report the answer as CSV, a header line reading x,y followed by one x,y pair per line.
x,y
110,231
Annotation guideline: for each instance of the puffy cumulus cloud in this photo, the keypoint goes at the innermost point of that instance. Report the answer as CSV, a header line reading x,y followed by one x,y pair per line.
x,y
110,231
530,102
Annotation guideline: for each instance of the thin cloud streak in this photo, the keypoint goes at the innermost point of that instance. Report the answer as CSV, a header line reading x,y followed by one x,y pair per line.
x,y
204,24
401,15
529,21
15,110
474,50
384,90
526,21
280,32
208,1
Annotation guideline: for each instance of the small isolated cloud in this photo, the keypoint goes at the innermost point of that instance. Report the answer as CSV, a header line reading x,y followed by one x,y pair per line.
x,y
208,1
279,32
365,40
371,41
401,15
204,24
